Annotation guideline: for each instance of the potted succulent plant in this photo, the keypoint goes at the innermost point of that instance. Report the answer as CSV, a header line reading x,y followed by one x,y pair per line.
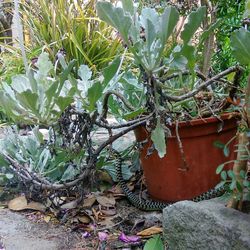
x,y
188,111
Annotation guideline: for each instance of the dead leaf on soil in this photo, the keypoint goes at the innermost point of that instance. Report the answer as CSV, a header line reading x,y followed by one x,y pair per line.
x,y
89,202
47,218
104,176
105,201
70,205
36,206
18,203
108,222
150,231
109,212
84,219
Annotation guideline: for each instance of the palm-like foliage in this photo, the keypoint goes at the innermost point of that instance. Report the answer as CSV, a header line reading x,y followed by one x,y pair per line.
x,y
70,25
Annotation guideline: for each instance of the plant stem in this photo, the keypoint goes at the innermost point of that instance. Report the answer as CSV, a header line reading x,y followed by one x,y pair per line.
x,y
203,85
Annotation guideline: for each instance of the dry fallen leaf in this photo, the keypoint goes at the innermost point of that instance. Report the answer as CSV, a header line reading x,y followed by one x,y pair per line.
x,y
105,201
84,219
104,176
150,231
107,222
47,218
36,206
70,205
109,212
18,203
88,202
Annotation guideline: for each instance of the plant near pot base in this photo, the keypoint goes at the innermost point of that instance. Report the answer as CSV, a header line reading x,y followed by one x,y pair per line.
x,y
239,189
186,106
163,90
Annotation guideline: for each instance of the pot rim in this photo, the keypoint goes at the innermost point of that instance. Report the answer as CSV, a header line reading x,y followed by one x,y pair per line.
x,y
213,119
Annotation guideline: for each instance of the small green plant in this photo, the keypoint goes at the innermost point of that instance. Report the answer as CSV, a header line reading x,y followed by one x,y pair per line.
x,y
154,243
239,184
162,60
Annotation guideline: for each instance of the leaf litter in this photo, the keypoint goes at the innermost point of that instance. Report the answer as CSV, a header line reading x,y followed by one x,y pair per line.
x,y
103,219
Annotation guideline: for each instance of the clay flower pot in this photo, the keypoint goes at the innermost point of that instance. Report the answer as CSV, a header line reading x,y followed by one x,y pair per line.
x,y
167,178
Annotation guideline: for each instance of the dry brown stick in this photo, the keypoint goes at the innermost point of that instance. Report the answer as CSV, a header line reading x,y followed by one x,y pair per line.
x,y
185,165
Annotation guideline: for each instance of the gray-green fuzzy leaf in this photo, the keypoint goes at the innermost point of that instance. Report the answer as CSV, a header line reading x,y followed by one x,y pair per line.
x,y
158,138
194,21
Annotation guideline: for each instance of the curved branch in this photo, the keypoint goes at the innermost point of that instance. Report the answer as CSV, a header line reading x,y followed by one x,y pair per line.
x,y
117,126
203,85
187,72
118,95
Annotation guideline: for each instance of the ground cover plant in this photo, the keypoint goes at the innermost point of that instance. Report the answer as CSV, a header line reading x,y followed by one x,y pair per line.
x,y
161,84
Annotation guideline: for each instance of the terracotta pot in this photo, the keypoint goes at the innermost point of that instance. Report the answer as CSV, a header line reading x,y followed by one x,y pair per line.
x,y
167,179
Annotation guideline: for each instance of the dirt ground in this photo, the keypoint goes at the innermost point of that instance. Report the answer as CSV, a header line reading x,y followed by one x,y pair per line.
x,y
19,233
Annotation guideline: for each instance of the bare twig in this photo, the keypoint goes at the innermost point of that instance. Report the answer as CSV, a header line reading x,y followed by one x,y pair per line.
x,y
185,165
187,72
203,85
118,95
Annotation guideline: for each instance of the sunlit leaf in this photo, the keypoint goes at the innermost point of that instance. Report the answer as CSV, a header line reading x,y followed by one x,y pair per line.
x,y
241,45
168,21
158,138
114,17
44,64
219,168
94,93
155,243
194,21
128,6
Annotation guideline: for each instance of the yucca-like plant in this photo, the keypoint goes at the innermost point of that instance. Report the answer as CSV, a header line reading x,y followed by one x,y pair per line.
x,y
72,26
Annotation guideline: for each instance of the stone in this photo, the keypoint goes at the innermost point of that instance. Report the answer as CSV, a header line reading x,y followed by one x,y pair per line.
x,y
205,225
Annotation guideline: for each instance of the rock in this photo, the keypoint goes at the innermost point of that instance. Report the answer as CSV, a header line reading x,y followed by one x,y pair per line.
x,y
205,225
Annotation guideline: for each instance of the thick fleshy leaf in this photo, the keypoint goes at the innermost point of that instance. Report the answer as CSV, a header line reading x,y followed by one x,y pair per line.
x,y
149,14
240,42
189,52
115,17
128,6
149,20
84,72
154,243
168,21
94,93
64,102
194,21
133,114
50,92
158,138
111,71
28,100
70,173
20,83
44,64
